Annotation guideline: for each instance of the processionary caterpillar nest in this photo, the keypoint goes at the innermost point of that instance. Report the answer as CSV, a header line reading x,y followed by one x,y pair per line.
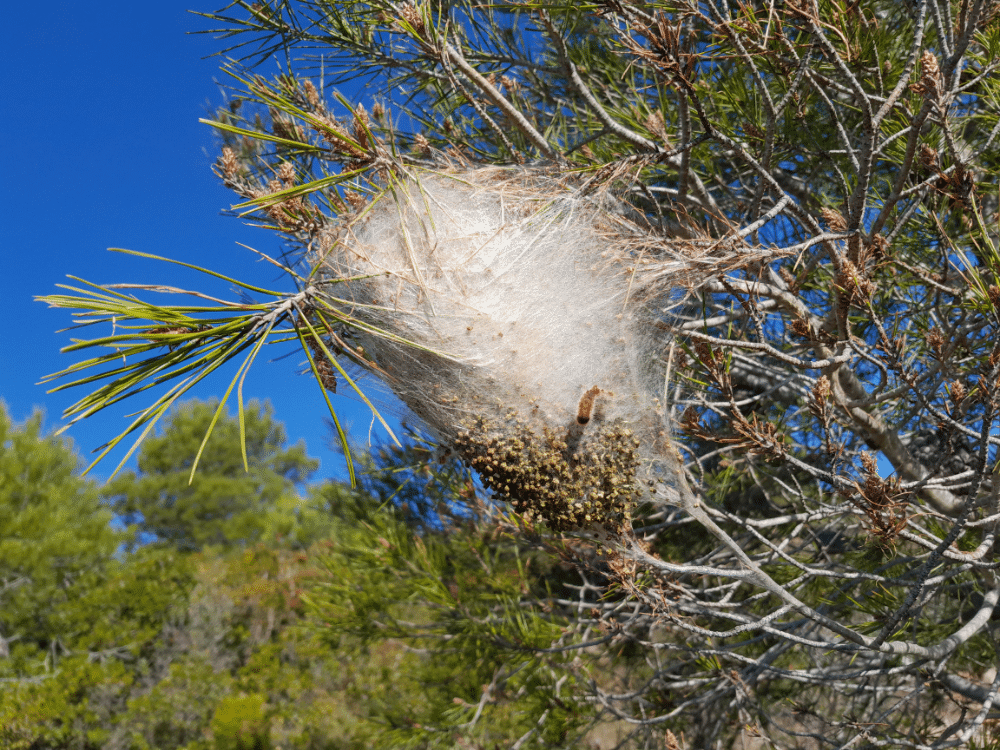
x,y
523,323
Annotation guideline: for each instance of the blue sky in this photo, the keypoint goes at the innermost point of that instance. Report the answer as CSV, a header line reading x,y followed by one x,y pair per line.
x,y
103,148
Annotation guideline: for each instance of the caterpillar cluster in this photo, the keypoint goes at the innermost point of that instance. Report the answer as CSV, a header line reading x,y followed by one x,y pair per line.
x,y
547,478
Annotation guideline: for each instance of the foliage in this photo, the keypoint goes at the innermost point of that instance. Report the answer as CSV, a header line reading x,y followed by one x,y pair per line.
x,y
222,504
485,632
55,541
412,622
151,648
445,606
824,569
197,651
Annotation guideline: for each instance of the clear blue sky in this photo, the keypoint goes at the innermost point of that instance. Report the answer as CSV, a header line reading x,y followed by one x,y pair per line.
x,y
103,148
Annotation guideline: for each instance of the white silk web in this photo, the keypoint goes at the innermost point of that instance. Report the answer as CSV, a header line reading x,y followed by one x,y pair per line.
x,y
524,324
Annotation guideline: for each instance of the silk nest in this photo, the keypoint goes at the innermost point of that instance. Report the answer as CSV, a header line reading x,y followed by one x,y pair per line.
x,y
527,325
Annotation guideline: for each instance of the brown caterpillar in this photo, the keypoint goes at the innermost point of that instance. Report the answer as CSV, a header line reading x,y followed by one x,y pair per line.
x,y
327,375
173,331
587,405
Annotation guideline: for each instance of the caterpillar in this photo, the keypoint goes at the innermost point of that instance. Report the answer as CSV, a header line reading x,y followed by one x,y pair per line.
x,y
327,374
587,405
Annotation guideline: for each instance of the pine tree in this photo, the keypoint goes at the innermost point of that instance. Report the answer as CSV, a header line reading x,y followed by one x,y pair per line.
x,y
55,539
822,563
221,504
